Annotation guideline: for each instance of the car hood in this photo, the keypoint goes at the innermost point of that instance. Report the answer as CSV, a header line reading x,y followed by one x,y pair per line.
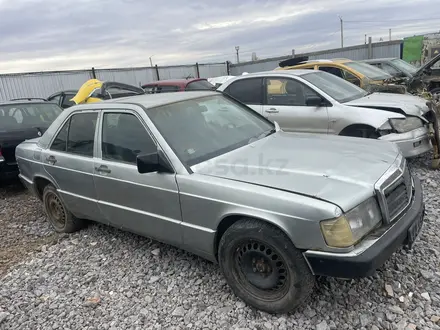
x,y
336,169
410,104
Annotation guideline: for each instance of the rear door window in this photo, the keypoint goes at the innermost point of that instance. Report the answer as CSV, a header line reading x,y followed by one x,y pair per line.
x,y
248,91
81,137
334,71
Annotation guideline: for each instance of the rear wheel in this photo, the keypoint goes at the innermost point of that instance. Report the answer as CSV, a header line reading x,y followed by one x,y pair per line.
x,y
263,267
61,219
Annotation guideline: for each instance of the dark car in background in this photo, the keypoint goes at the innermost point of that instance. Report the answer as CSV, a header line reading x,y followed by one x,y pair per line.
x,y
178,85
63,98
20,120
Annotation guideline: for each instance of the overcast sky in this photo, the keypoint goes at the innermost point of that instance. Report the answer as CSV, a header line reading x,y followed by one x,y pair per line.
x,y
55,35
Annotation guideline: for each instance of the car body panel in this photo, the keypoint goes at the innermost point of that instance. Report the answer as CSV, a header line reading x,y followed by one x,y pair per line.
x,y
409,104
264,163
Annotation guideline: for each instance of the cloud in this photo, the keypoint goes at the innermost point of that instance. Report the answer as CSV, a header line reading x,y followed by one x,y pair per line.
x,y
53,35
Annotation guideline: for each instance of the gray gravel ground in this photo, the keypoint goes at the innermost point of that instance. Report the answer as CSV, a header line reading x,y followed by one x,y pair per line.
x,y
103,278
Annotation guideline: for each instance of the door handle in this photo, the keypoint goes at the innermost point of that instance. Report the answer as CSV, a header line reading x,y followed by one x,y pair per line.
x,y
103,169
51,159
272,110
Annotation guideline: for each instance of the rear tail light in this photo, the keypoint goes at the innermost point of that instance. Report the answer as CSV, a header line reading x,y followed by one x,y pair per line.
x,y
2,159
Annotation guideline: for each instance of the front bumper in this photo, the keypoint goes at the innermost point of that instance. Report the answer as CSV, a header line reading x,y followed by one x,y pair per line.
x,y
374,250
413,143
8,170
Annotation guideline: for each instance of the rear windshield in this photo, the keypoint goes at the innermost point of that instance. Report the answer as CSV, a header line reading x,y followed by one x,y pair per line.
x,y
24,116
199,85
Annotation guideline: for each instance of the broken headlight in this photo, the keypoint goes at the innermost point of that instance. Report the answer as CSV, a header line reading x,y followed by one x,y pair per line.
x,y
405,125
350,228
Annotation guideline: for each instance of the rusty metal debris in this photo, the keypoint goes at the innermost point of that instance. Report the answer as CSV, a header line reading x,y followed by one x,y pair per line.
x,y
433,103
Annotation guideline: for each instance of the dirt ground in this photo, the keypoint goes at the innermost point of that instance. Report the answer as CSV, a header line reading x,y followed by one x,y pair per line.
x,y
23,227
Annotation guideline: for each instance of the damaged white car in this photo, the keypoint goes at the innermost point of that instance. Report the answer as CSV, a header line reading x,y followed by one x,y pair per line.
x,y
318,102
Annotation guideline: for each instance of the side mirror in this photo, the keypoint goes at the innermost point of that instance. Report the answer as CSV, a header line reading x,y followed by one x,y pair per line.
x,y
153,162
314,101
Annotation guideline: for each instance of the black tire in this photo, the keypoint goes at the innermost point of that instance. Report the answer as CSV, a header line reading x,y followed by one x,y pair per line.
x,y
60,218
251,244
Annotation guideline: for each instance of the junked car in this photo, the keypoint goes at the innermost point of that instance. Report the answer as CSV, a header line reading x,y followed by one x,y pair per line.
x,y
319,102
361,74
416,79
95,90
21,119
204,172
177,85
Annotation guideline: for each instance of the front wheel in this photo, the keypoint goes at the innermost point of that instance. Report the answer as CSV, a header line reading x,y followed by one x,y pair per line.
x,y
263,267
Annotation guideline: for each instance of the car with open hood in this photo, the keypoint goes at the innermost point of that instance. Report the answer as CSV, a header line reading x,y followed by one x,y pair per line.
x,y
361,74
318,102
427,77
95,90
22,119
204,172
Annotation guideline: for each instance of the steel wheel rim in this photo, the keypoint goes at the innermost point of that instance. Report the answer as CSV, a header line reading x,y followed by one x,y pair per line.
x,y
55,210
261,270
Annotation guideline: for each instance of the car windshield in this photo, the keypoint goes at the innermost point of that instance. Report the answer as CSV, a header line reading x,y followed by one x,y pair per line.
x,y
368,70
199,85
404,66
203,128
28,115
337,88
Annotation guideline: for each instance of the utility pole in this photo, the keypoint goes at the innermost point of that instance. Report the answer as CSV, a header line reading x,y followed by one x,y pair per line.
x,y
342,32
237,48
390,34
151,62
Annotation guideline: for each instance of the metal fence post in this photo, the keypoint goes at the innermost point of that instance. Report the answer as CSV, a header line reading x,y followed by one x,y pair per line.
x,y
157,72
93,73
370,49
197,70
228,69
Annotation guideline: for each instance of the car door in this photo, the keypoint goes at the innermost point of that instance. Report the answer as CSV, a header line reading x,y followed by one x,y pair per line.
x,y
286,103
248,91
147,204
69,161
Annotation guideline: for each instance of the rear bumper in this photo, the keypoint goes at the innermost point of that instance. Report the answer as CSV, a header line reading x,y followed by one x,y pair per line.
x,y
362,261
413,143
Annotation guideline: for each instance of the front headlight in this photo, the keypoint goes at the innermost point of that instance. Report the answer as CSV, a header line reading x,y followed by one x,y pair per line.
x,y
350,228
406,124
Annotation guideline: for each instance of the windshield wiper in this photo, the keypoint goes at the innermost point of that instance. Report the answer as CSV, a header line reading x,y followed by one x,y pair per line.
x,y
262,135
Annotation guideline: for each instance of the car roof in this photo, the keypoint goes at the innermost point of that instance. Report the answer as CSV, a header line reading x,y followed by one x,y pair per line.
x,y
155,100
333,60
167,82
384,59
24,101
298,72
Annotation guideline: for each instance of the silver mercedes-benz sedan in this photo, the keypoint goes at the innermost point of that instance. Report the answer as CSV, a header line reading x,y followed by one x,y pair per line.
x,y
319,102
204,172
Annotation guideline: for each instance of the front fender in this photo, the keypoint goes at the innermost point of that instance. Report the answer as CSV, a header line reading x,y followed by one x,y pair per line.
x,y
363,116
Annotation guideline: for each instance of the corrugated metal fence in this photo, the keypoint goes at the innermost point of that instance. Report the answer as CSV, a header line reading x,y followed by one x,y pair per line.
x,y
361,52
43,84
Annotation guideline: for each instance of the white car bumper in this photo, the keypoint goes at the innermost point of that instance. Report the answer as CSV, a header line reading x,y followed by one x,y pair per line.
x,y
413,143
